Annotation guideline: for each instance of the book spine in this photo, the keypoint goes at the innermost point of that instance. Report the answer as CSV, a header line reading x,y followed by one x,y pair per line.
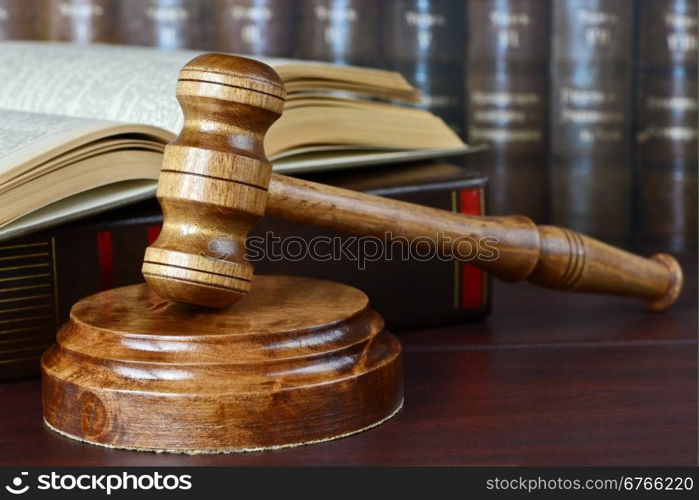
x,y
16,19
28,307
168,24
255,27
81,21
424,41
508,102
340,31
591,119
42,276
666,135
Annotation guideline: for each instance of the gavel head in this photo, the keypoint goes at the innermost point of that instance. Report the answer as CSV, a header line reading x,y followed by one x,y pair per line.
x,y
214,180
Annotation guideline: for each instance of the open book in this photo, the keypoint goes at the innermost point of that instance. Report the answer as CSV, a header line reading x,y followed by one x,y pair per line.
x,y
82,128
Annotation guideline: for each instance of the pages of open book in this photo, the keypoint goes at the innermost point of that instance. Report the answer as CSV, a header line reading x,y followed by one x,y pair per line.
x,y
136,85
126,84
90,202
55,98
42,157
32,140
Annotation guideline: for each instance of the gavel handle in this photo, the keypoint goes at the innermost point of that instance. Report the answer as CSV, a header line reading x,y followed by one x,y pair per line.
x,y
511,248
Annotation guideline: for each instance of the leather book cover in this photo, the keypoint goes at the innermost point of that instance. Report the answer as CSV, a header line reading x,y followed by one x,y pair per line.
x,y
427,30
43,275
339,31
441,86
591,117
507,104
17,19
666,134
424,41
168,24
80,21
255,27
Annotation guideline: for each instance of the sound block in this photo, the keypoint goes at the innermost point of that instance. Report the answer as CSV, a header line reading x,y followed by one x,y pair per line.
x,y
297,361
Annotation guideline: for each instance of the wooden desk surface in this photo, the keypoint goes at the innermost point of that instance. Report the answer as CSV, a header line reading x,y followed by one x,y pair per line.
x,y
549,379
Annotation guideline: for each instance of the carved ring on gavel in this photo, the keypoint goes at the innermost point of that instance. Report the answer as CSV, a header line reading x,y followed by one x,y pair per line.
x,y
216,180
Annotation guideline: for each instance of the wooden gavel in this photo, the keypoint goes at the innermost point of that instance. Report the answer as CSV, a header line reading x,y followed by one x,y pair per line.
x,y
216,180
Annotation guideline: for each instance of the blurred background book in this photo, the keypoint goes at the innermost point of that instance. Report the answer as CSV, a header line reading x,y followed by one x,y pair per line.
x,y
507,101
666,129
591,121
589,107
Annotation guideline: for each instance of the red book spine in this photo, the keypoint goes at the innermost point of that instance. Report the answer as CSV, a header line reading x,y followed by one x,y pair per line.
x,y
473,282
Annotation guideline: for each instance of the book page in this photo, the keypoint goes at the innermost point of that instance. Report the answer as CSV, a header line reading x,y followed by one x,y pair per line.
x,y
90,202
19,130
33,140
24,135
135,85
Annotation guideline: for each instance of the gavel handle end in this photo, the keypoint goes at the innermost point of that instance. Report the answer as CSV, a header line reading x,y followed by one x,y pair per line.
x,y
676,279
572,261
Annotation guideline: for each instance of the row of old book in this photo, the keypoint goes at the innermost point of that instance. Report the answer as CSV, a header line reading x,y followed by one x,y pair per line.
x,y
589,106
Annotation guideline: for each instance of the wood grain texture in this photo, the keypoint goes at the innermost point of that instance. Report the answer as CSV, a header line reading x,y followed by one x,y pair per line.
x,y
527,317
213,184
511,248
549,379
298,361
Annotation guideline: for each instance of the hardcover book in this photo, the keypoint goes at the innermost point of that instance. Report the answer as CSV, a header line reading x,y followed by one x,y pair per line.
x,y
43,275
424,41
591,117
17,19
256,27
666,135
79,21
508,101
168,24
340,31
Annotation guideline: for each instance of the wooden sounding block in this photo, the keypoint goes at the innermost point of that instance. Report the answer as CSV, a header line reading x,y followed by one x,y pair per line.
x,y
297,361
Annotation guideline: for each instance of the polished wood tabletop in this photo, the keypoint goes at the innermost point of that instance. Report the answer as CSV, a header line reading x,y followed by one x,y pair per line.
x,y
549,379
